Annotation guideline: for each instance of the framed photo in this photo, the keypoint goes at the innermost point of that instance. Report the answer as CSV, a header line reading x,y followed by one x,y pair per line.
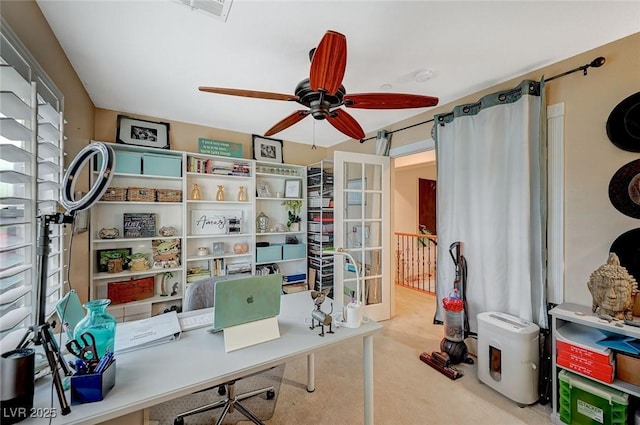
x,y
292,188
265,149
262,189
104,255
132,131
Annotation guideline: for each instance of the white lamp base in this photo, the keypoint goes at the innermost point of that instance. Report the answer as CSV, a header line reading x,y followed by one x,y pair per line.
x,y
352,315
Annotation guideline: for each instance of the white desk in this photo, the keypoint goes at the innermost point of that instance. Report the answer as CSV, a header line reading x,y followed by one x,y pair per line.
x,y
198,360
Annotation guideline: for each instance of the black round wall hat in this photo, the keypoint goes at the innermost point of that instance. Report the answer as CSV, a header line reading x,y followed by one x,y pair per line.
x,y
623,125
624,189
627,248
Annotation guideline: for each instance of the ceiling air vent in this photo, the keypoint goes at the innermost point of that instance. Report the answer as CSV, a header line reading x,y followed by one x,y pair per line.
x,y
217,8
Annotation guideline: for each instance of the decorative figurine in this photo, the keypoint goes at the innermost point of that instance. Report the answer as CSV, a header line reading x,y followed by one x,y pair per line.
x,y
114,265
167,231
220,193
613,290
165,277
138,262
195,192
262,222
324,319
109,233
242,194
174,289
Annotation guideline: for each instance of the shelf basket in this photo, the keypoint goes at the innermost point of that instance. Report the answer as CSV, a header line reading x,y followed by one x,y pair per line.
x,y
141,194
169,195
115,194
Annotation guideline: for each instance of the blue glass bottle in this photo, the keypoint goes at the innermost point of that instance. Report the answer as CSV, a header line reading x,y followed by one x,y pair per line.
x,y
100,323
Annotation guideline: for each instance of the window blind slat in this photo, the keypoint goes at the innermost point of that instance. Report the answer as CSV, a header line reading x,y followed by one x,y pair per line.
x,y
13,295
13,318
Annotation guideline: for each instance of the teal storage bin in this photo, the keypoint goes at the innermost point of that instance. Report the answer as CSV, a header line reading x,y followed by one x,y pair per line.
x,y
293,251
126,162
162,165
269,253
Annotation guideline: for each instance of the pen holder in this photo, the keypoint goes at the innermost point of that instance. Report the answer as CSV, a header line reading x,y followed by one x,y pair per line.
x,y
93,386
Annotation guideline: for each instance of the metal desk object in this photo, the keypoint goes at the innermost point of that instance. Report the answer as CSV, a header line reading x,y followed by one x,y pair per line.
x,y
150,376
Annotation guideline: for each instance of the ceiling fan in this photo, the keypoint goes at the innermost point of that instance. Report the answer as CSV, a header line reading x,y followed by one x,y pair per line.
x,y
323,93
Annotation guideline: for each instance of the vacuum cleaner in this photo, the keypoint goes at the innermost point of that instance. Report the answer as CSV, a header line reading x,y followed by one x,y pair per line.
x,y
453,349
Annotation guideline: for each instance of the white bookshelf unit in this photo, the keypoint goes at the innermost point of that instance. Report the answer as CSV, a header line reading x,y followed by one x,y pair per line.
x,y
581,317
197,233
276,184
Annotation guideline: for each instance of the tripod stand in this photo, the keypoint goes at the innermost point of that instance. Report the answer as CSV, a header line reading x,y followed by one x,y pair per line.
x,y
41,333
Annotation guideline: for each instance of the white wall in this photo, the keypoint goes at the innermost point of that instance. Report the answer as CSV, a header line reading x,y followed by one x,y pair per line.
x,y
405,208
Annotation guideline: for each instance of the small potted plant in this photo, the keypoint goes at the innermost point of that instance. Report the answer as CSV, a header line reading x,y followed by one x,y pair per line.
x,y
293,214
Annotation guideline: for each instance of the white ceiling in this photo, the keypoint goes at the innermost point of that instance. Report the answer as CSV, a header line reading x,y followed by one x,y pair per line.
x,y
149,57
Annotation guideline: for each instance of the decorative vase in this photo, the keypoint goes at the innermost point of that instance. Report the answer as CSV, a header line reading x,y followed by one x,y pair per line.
x,y
195,192
220,193
242,194
99,323
240,248
295,227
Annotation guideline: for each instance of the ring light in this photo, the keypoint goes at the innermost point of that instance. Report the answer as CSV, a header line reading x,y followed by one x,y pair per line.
x,y
105,174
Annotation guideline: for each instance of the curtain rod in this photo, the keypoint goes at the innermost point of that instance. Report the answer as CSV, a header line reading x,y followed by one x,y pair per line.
x,y
596,63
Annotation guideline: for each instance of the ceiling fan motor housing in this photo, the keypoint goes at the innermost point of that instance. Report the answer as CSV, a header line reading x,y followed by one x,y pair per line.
x,y
320,103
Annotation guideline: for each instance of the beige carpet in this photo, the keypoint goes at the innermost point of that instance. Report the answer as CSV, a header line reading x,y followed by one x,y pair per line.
x,y
165,413
406,391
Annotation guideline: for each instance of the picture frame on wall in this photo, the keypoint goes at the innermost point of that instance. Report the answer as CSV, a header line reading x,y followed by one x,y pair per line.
x,y
133,131
292,188
267,150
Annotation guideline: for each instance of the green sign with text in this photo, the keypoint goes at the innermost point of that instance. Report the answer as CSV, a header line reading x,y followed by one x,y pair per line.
x,y
216,147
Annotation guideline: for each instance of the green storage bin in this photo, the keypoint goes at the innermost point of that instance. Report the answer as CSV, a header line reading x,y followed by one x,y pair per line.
x,y
269,253
293,251
162,165
585,402
126,162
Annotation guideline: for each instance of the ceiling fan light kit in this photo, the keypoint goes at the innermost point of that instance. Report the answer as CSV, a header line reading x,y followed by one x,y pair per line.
x,y
324,95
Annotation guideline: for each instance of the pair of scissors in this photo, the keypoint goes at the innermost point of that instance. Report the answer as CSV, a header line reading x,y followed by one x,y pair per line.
x,y
85,351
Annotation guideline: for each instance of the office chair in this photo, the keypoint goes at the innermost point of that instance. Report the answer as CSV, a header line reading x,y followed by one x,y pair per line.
x,y
199,295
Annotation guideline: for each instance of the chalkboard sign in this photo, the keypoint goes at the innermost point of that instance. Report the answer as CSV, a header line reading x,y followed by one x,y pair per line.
x,y
139,225
216,147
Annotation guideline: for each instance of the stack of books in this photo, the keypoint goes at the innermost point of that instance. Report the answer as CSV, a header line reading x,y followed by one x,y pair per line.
x,y
196,274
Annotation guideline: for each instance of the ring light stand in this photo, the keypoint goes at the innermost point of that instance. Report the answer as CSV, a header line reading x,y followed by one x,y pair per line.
x,y
42,334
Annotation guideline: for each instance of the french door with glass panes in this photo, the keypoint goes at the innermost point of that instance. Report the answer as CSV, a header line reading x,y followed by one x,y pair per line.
x,y
361,227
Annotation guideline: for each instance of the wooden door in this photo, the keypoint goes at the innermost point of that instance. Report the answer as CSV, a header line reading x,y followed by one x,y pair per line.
x,y
427,204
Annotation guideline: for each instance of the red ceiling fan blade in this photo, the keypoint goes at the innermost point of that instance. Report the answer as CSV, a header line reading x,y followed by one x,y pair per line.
x,y
329,63
249,93
388,101
286,123
346,124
